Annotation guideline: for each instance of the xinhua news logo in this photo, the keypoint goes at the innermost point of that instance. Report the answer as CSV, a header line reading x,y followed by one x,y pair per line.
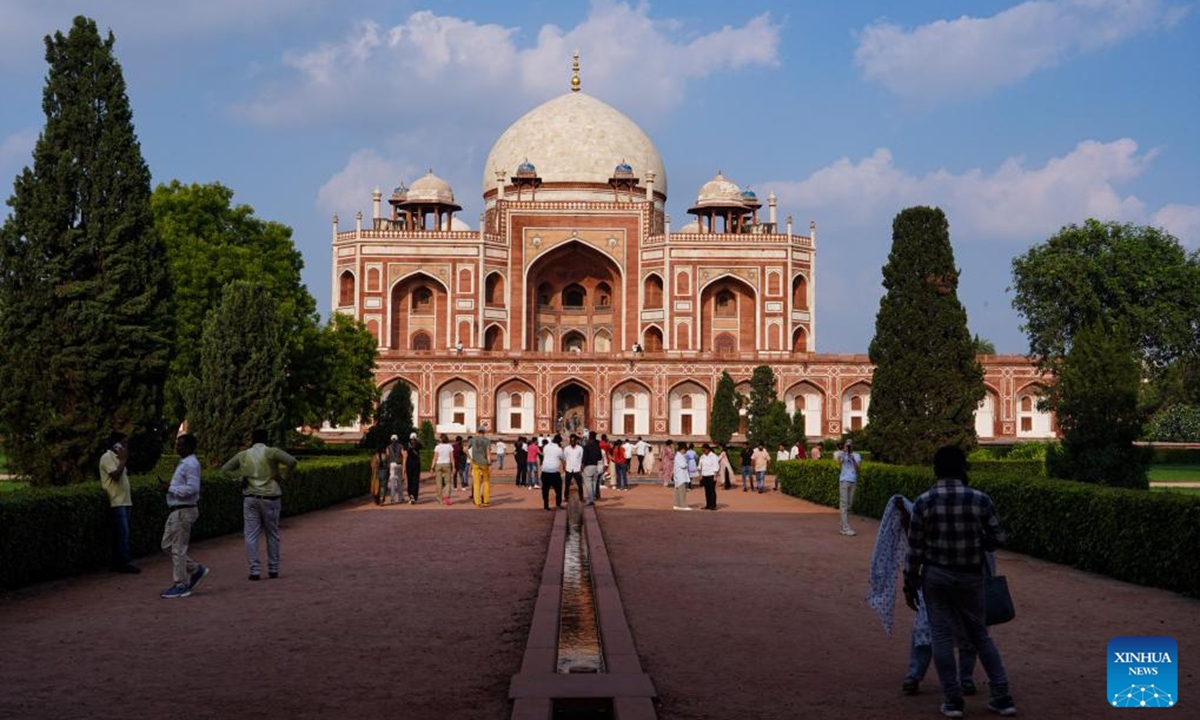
x,y
1143,672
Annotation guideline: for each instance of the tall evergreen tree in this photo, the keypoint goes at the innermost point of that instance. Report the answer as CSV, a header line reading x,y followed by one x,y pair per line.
x,y
927,380
85,316
394,416
723,421
762,395
1096,398
242,376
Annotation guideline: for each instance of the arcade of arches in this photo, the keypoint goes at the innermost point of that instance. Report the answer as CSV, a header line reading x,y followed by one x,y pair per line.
x,y
680,410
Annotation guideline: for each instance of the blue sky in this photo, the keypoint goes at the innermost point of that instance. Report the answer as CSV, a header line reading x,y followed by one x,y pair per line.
x,y
1015,118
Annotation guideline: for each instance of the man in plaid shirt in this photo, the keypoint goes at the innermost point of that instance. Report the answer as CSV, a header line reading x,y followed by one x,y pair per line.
x,y
952,528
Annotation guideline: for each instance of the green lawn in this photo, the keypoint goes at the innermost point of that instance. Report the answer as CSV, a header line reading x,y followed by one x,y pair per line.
x,y
1175,473
10,485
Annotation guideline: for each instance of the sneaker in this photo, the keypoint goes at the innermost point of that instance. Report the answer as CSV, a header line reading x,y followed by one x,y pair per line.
x,y
1002,705
968,687
198,577
910,686
274,574
848,532
447,501
175,591
255,577
952,710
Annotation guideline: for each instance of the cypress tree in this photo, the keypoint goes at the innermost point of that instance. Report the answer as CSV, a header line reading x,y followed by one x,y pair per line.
x,y
762,395
723,421
1096,398
243,372
927,380
85,317
392,417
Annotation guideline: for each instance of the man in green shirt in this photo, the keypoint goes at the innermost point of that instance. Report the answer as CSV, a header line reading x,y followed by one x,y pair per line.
x,y
259,466
115,480
481,470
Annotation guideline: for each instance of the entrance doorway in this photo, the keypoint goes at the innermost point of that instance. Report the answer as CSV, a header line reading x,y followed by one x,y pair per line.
x,y
571,409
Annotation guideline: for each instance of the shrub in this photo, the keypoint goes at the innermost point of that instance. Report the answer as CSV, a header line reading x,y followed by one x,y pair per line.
x,y
1177,423
47,533
1132,535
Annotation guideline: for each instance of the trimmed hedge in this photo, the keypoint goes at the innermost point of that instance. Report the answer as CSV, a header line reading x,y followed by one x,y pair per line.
x,y
48,533
1131,535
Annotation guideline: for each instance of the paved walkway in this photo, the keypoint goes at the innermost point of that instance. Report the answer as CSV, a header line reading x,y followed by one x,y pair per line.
x,y
755,611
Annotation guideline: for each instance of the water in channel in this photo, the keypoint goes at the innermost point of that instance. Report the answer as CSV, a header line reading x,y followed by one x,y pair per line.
x,y
578,630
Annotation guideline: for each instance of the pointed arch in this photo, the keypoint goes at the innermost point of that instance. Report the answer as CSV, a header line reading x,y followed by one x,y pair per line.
x,y
652,292
457,403
493,290
652,339
809,399
631,401
602,341
728,305
493,337
856,402
515,402
687,409
346,288
800,292
417,301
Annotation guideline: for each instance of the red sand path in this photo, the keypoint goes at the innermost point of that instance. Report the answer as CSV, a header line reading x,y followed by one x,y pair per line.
x,y
755,611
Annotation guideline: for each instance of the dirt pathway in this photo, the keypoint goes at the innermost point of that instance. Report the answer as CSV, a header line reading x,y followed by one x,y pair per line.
x,y
757,611
417,612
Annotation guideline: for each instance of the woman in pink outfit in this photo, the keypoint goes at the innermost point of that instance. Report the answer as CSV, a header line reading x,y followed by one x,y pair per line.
x,y
666,465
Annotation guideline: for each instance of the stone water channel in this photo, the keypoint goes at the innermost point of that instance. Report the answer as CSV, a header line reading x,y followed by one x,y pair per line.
x,y
580,660
579,649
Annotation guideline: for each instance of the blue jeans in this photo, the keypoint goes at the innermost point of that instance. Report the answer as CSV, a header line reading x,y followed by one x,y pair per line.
x,y
761,476
747,477
120,549
464,475
520,471
920,655
622,476
955,599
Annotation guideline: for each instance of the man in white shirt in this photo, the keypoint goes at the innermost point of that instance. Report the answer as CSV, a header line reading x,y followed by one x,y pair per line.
x,y
710,464
552,465
573,454
681,477
639,450
797,451
443,461
500,449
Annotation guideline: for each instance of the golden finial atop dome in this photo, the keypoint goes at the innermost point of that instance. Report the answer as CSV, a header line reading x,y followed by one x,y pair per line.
x,y
575,72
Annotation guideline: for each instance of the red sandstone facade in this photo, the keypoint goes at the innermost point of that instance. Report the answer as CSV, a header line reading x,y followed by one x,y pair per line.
x,y
574,304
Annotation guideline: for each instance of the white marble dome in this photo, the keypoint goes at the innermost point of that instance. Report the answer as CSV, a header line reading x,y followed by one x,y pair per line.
x,y
574,138
430,189
719,191
457,225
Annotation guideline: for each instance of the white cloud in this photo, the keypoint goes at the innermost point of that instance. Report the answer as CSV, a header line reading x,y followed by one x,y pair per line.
x,y
1182,221
434,66
1013,202
349,189
972,56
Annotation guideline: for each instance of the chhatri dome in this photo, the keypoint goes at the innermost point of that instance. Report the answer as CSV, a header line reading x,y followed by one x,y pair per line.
x,y
575,138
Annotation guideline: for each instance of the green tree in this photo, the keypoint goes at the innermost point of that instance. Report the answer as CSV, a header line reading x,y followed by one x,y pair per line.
x,y
983,346
762,394
723,420
798,426
1096,396
776,427
85,298
927,381
1131,276
394,416
334,374
211,243
242,375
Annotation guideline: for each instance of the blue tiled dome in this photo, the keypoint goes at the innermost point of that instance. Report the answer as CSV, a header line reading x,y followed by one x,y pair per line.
x,y
749,195
526,167
624,167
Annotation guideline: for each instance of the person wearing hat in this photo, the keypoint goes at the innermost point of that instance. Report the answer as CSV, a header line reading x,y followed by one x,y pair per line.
x,y
481,466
